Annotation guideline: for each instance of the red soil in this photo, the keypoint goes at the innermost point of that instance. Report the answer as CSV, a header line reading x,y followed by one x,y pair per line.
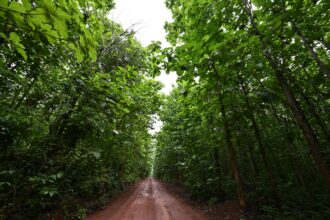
x,y
148,200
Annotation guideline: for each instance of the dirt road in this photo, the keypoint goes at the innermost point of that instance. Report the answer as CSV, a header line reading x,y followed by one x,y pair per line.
x,y
148,200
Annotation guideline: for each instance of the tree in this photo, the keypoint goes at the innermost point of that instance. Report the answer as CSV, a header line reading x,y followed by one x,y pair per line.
x,y
76,109
264,65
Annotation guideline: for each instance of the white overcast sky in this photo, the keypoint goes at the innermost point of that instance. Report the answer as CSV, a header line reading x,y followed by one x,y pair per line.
x,y
148,18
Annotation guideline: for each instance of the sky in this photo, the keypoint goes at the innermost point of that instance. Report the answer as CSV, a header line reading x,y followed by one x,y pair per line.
x,y
147,17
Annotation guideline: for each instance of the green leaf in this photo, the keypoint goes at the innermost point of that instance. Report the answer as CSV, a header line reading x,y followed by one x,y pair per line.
x,y
14,6
38,18
2,35
38,11
206,38
62,14
46,27
92,53
3,3
49,191
30,23
79,55
72,46
214,46
51,36
327,37
14,38
22,52
52,33
60,27
27,4
50,6
82,40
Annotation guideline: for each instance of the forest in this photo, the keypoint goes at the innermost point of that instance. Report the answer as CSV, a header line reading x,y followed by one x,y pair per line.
x,y
248,120
75,109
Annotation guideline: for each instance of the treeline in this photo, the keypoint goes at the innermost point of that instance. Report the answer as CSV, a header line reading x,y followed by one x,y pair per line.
x,y
75,109
250,117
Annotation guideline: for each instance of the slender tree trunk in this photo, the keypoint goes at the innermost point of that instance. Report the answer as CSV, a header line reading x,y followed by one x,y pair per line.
x,y
317,117
312,109
313,143
231,148
262,148
233,160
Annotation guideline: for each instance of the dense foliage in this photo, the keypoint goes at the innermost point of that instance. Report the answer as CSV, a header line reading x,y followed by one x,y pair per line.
x,y
250,117
249,120
75,109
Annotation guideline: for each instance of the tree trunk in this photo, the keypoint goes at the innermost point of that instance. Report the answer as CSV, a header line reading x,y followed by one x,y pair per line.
x,y
317,117
313,143
262,148
233,160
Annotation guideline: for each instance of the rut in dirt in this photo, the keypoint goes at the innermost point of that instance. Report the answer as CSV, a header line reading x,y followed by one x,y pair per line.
x,y
148,200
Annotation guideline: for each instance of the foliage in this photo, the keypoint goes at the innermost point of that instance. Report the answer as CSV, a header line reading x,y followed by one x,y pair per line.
x,y
249,118
75,110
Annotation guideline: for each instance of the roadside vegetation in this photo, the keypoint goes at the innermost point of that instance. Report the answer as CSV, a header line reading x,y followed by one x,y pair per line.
x,y
75,109
249,120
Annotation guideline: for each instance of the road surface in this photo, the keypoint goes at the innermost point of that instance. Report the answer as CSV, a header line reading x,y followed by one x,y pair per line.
x,y
148,200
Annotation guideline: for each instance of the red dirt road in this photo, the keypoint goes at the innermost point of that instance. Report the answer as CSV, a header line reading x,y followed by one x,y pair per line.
x,y
148,200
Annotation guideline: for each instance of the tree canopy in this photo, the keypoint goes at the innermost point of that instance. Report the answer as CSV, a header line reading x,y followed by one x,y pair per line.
x,y
75,110
250,116
248,121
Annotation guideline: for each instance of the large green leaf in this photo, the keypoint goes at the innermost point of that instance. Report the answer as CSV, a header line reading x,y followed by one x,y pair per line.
x,y
16,40
17,7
